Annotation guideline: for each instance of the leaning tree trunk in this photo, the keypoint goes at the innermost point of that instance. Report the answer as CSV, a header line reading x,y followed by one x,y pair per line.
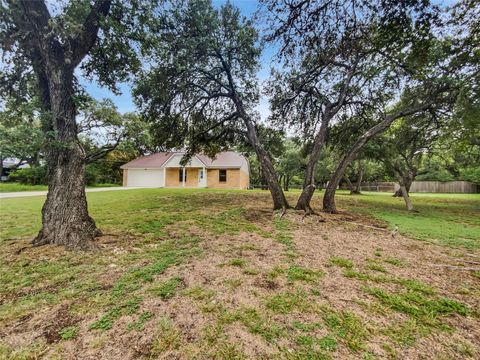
x,y
357,189
65,219
405,182
268,170
406,197
350,185
329,197
305,198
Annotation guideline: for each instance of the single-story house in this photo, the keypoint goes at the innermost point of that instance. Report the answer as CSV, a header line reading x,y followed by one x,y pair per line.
x,y
228,170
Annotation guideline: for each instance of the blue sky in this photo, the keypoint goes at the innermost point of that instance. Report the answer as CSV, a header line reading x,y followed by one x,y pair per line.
x,y
124,101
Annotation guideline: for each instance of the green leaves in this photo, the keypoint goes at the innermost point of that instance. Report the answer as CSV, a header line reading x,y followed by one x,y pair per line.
x,y
203,63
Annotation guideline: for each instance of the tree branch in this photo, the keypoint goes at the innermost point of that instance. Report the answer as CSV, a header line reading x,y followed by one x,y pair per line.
x,y
83,42
103,151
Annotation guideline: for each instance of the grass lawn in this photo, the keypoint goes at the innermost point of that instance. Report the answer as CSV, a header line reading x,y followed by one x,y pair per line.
x,y
16,187
210,274
451,219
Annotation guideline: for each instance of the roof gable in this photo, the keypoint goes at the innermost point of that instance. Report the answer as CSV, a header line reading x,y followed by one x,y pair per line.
x,y
174,161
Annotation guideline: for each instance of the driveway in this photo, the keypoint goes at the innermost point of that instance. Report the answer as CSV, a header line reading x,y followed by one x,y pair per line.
x,y
43,193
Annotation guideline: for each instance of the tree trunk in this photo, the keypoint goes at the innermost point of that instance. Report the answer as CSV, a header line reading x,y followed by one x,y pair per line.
x,y
268,171
407,180
358,185
350,185
406,197
286,182
65,219
305,198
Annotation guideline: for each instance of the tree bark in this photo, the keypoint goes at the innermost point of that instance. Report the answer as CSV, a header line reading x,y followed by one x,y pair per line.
x,y
305,198
65,219
407,180
286,182
268,171
329,197
406,197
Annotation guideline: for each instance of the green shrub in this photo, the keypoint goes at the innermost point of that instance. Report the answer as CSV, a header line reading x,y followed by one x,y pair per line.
x,y
471,174
30,176
91,174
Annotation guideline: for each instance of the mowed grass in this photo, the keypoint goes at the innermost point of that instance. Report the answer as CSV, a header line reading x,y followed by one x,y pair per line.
x,y
449,219
16,187
132,285
138,211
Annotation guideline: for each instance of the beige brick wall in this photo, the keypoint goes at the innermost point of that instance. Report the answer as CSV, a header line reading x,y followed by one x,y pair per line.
x,y
125,177
192,177
236,179
171,178
244,180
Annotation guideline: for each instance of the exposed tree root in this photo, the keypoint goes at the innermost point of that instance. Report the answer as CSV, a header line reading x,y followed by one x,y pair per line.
x,y
19,251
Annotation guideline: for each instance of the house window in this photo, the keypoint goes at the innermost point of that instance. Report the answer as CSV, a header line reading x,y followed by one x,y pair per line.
x,y
180,175
222,175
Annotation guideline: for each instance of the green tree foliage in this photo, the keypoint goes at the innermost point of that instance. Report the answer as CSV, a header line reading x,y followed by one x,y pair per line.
x,y
21,136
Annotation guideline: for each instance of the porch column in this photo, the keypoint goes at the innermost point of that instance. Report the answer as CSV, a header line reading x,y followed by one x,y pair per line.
x,y
204,177
164,176
183,177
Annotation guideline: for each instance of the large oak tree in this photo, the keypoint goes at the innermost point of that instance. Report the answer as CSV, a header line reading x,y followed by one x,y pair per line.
x,y
48,45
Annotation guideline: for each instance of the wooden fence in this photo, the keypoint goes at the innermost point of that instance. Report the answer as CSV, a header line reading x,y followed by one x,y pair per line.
x,y
425,187
444,187
464,187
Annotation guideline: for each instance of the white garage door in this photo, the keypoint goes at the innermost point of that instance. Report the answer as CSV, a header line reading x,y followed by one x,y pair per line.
x,y
145,178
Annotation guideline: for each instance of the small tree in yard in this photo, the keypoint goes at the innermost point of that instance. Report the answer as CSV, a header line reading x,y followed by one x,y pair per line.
x,y
49,48
202,84
402,148
416,102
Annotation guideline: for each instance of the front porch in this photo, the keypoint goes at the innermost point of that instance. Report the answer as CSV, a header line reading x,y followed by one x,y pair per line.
x,y
188,177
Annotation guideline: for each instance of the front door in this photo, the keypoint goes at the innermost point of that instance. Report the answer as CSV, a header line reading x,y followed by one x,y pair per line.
x,y
200,177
